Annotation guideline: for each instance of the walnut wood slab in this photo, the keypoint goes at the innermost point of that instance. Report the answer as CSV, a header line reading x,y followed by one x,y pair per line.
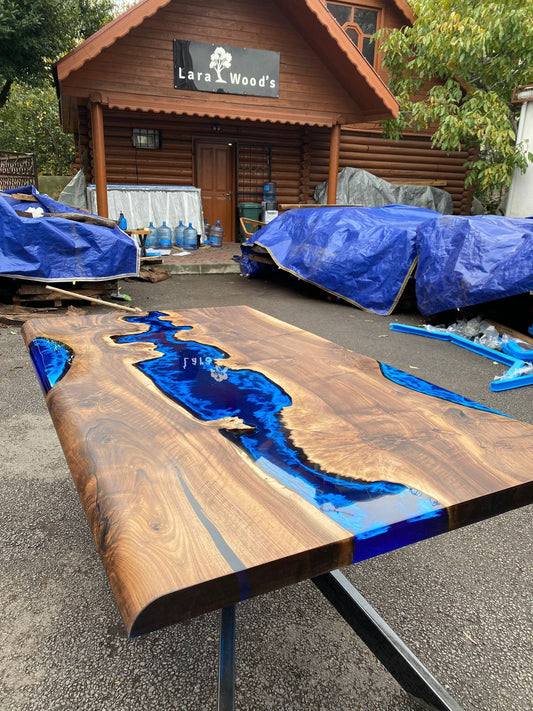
x,y
220,453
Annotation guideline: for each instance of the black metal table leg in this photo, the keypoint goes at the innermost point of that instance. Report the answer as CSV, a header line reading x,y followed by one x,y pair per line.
x,y
226,668
397,658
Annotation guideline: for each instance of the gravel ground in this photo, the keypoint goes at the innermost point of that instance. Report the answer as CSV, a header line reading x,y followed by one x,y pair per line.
x,y
461,601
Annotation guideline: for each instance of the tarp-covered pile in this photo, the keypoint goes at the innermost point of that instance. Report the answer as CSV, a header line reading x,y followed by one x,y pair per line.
x,y
463,261
366,255
359,187
55,249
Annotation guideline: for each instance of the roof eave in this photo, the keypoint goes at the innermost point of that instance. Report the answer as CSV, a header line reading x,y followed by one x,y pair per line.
x,y
106,36
405,9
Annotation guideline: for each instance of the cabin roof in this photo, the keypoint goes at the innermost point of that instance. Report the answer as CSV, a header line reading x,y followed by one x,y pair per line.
x,y
310,17
405,9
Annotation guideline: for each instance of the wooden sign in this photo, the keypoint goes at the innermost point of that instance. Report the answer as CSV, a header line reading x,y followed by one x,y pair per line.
x,y
220,453
222,69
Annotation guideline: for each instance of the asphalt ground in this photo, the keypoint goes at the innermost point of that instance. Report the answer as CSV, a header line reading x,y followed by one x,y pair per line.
x,y
461,601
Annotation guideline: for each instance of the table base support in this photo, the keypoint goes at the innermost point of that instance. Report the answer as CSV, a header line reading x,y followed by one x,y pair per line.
x,y
385,644
395,656
226,669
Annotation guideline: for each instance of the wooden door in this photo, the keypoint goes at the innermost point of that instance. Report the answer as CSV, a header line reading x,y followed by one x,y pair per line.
x,y
215,176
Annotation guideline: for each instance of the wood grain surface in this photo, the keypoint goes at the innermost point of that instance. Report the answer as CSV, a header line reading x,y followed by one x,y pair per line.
x,y
186,521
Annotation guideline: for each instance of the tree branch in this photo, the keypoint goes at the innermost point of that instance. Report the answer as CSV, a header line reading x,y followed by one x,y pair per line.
x,y
4,93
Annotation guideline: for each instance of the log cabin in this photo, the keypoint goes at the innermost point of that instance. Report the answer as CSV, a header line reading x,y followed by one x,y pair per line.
x,y
227,95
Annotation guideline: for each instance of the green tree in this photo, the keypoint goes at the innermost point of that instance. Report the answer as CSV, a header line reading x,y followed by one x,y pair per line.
x,y
36,33
33,35
29,122
475,52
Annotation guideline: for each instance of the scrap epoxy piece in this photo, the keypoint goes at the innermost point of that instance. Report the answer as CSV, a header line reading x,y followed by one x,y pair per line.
x,y
51,361
508,356
192,374
406,380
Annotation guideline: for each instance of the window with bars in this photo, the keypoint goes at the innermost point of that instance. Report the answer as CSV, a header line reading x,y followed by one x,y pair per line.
x,y
359,23
254,169
146,138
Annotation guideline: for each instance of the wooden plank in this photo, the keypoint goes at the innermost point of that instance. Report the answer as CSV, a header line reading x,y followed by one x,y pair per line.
x,y
37,288
263,258
82,217
298,205
23,197
418,181
17,315
282,457
85,297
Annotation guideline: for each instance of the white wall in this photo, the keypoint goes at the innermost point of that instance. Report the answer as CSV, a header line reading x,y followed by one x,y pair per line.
x,y
520,200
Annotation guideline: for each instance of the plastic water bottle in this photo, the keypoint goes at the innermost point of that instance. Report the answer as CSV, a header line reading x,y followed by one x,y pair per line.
x,y
165,236
217,235
122,223
190,238
269,192
152,240
207,231
178,234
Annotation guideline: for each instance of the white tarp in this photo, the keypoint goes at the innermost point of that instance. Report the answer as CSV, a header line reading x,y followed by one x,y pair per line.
x,y
75,193
142,204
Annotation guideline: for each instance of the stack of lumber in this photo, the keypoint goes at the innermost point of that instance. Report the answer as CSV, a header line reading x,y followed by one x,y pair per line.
x,y
21,291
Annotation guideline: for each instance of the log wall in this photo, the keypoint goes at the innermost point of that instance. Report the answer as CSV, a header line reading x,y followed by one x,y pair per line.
x,y
300,156
410,159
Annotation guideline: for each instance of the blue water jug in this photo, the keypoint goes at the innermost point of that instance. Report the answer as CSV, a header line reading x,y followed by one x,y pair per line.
x,y
269,192
165,236
190,238
217,235
152,240
178,234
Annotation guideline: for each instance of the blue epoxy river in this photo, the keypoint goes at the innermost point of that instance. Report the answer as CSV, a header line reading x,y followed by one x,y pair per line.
x,y
381,515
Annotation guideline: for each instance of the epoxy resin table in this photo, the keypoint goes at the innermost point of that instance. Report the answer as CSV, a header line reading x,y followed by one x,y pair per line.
x,y
220,453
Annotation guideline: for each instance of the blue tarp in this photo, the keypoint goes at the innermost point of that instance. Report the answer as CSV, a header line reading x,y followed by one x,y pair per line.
x,y
470,260
55,249
366,255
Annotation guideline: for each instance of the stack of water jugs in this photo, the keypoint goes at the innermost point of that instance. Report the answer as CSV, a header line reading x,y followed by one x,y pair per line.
x,y
183,237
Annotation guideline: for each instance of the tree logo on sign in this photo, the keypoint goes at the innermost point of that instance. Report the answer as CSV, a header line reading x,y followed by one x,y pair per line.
x,y
220,59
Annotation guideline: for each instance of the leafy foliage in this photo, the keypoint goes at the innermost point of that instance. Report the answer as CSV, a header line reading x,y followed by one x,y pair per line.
x,y
475,53
36,33
33,35
29,123
123,5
